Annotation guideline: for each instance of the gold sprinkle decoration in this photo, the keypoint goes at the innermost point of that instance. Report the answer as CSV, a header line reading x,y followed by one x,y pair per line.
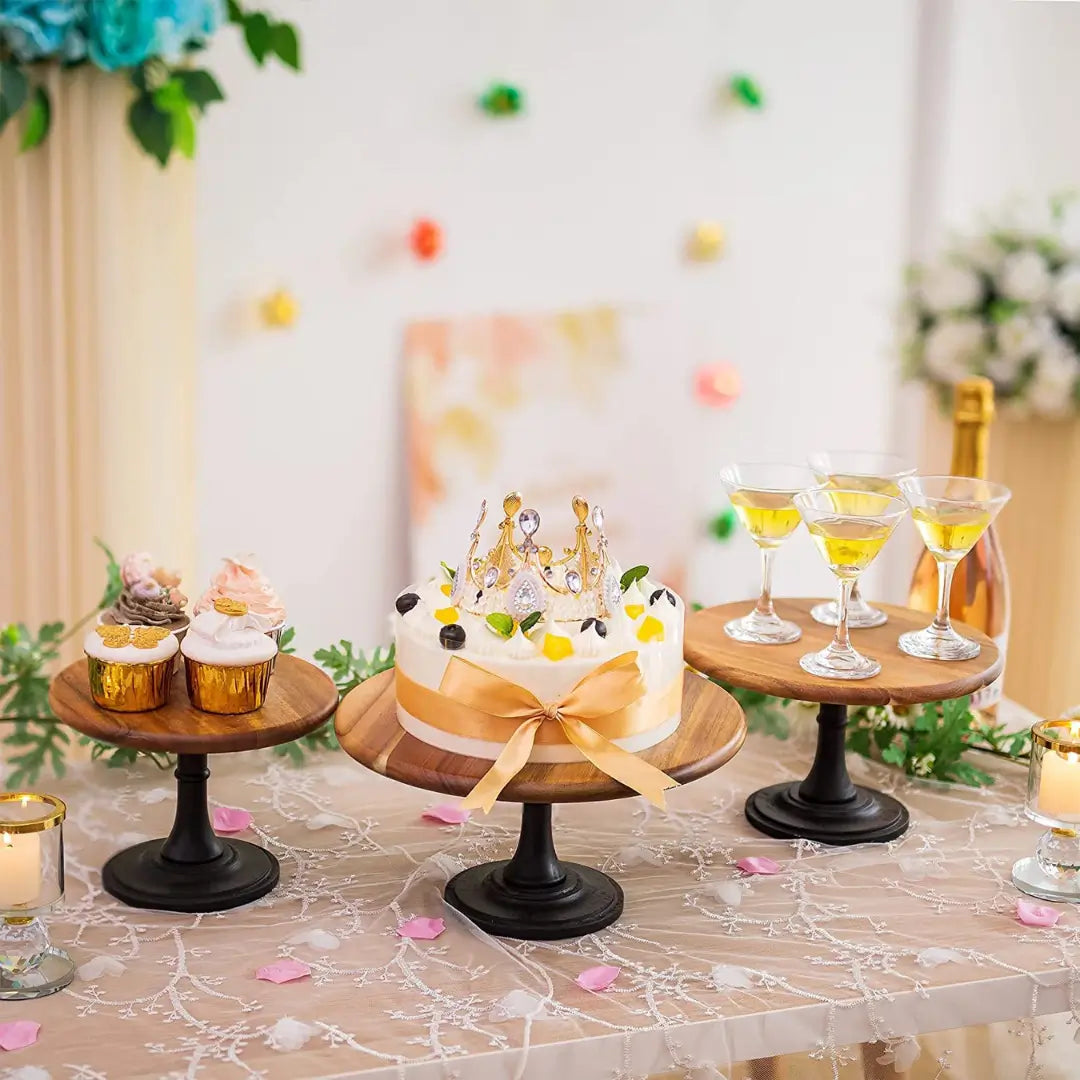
x,y
114,637
224,605
149,637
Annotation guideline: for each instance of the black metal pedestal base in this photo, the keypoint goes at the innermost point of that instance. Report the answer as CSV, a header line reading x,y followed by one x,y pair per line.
x,y
827,806
534,895
193,869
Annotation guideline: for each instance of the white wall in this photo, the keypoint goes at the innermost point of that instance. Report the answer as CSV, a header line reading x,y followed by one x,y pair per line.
x,y
305,181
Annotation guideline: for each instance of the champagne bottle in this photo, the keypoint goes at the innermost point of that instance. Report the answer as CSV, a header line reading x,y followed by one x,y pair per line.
x,y
980,586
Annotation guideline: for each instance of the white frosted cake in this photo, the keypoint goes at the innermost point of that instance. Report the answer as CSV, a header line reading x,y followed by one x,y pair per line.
x,y
543,625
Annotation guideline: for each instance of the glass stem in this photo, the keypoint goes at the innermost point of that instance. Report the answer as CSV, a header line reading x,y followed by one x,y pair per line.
x,y
764,606
842,640
941,621
855,597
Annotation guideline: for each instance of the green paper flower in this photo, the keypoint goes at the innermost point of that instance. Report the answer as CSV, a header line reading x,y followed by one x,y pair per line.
x,y
723,525
746,91
502,99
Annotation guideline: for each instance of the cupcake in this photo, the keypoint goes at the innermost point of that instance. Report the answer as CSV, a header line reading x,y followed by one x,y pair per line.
x,y
228,658
150,597
239,579
130,667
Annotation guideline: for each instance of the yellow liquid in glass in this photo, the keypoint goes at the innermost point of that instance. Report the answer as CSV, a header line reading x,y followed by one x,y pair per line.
x,y
850,497
770,517
849,547
950,532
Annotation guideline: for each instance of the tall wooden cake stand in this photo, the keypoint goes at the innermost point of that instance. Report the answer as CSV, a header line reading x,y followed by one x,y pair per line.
x,y
535,895
826,805
193,869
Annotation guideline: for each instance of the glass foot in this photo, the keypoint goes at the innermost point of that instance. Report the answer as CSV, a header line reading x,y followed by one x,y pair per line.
x,y
861,616
53,971
835,663
1029,877
756,629
934,644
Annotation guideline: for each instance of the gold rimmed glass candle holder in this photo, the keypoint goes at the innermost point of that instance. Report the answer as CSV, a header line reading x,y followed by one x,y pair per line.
x,y
31,886
950,513
857,470
762,496
849,528
1053,800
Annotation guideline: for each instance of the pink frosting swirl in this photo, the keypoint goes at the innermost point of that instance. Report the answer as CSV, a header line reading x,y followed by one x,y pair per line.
x,y
137,567
239,579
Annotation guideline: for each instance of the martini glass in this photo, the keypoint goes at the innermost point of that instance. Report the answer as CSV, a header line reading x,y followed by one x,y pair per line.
x,y
951,513
762,496
849,527
857,470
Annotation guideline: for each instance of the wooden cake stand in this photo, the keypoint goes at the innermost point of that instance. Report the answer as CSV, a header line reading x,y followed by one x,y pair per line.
x,y
194,869
535,895
826,805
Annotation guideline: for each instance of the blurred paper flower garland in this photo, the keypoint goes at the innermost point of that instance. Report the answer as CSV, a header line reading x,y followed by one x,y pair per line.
x,y
706,242
717,386
279,310
426,239
746,92
503,99
723,525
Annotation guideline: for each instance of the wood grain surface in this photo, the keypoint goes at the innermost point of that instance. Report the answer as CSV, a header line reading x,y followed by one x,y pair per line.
x,y
711,732
774,669
300,698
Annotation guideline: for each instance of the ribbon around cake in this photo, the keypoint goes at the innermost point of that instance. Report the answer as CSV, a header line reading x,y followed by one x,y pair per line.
x,y
479,695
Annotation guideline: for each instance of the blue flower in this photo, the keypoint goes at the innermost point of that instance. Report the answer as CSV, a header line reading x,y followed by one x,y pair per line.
x,y
178,23
124,33
34,29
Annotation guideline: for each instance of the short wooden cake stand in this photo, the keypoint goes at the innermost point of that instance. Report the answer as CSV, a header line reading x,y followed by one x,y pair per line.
x,y
534,895
827,806
194,869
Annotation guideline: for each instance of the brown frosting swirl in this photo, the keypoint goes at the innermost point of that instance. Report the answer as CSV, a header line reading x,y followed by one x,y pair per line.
x,y
138,607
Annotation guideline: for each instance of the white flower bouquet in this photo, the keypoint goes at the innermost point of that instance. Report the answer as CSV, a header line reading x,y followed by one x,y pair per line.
x,y
1004,303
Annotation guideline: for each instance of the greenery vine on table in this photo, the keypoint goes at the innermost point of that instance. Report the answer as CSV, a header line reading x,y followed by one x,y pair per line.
x,y
929,742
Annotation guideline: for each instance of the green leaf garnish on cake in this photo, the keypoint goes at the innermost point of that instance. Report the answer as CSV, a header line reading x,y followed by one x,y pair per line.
x,y
501,623
635,573
446,569
529,621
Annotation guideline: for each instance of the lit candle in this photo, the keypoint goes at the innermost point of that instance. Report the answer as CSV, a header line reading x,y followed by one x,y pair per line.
x,y
20,868
1059,785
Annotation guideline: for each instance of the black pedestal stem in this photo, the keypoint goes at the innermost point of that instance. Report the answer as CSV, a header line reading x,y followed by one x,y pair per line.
x,y
534,895
193,869
827,806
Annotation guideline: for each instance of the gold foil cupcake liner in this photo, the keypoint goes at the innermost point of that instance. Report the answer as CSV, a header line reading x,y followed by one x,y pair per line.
x,y
229,690
129,687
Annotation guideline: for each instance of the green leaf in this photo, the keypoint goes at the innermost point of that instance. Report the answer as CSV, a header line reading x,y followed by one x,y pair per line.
x,y
236,12
37,120
171,98
151,127
502,624
635,573
114,584
200,87
957,711
529,621
894,755
450,573
285,641
258,35
13,90
284,42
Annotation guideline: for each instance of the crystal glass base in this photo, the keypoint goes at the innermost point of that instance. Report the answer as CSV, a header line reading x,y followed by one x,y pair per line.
x,y
861,616
758,629
935,644
54,970
839,663
1029,877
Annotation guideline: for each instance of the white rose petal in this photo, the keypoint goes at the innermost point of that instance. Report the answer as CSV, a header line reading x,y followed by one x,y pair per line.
x,y
518,1005
1021,336
933,956
983,253
953,347
1050,391
1024,276
725,975
950,287
289,1034
1066,297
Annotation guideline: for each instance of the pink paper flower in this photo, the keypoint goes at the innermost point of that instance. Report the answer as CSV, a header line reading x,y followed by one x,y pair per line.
x,y
283,971
228,819
421,929
1036,914
16,1034
446,815
758,864
598,978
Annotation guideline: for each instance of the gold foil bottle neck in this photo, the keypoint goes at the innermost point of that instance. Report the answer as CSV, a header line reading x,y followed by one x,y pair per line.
x,y
973,401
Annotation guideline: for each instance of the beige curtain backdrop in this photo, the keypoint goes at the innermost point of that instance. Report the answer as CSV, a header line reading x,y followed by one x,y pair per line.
x,y
97,351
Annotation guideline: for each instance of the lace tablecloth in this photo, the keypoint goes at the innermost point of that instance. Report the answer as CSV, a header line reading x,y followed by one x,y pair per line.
x,y
844,946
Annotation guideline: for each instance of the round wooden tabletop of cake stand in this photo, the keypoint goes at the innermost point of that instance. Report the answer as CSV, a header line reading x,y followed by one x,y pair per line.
x,y
300,699
774,669
712,730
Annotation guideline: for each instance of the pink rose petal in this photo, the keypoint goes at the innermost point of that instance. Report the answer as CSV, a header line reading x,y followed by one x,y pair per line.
x,y
421,929
598,978
1036,914
283,971
758,864
447,815
228,819
15,1034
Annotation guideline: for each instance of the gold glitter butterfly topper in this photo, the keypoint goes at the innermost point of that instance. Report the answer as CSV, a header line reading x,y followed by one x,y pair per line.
x,y
148,637
114,637
225,605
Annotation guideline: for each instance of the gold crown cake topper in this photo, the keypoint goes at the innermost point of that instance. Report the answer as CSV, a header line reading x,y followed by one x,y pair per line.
x,y
520,578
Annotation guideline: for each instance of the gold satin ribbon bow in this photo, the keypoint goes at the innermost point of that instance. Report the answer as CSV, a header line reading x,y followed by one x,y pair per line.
x,y
610,688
